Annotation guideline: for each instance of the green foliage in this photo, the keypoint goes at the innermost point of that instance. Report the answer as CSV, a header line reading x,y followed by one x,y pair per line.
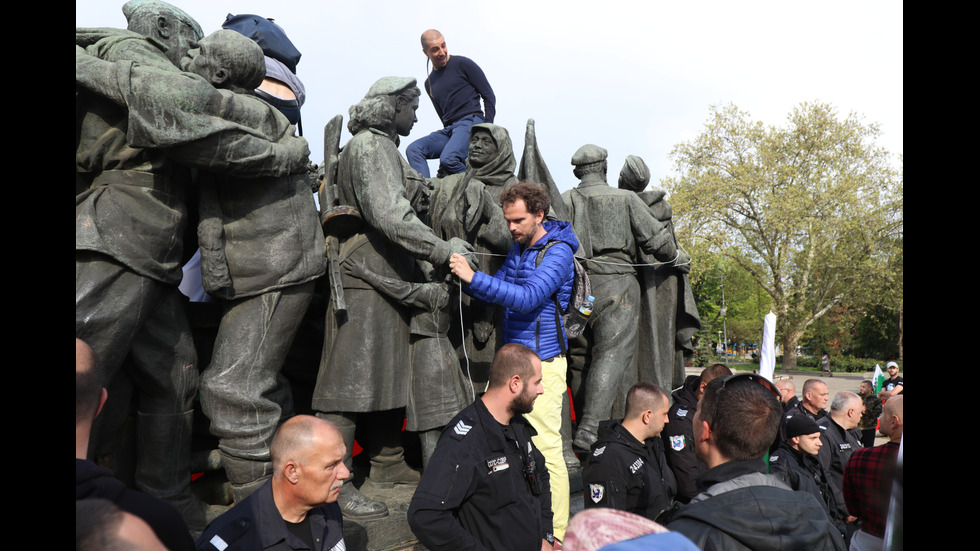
x,y
811,212
745,301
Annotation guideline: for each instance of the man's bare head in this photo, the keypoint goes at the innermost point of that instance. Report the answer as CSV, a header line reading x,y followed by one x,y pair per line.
x,y
307,459
646,410
893,417
815,394
434,48
787,390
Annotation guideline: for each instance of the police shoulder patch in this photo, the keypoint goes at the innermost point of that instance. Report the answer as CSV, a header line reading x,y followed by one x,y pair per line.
x,y
461,429
678,443
598,451
597,492
682,412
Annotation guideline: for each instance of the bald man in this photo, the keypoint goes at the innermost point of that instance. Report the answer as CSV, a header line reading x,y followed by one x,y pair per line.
x,y
455,87
787,393
297,508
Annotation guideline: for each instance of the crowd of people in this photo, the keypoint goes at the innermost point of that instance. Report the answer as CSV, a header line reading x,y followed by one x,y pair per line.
x,y
169,121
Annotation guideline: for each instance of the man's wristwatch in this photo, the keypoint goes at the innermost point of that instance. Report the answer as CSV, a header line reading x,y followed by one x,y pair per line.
x,y
550,538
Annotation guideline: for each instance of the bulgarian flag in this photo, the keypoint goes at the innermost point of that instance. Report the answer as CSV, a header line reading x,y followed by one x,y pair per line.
x,y
878,379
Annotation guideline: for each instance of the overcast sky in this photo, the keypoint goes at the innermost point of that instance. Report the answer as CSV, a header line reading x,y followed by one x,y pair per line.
x,y
635,77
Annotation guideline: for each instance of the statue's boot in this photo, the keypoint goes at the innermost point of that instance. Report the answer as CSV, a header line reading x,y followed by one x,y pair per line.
x,y
245,475
572,463
388,466
163,464
586,434
428,440
353,504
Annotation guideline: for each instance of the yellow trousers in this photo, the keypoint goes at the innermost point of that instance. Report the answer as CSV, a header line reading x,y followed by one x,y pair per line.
x,y
546,420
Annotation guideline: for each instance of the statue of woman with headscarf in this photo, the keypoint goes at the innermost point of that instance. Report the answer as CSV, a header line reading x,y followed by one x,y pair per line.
x,y
467,206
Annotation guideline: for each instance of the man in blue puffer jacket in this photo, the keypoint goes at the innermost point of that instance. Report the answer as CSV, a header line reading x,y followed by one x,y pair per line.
x,y
525,289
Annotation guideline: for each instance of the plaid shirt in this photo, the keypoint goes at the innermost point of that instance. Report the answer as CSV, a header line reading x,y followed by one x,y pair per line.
x,y
868,481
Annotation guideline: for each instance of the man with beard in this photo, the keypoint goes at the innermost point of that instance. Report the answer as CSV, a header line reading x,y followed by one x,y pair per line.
x,y
486,485
872,410
535,286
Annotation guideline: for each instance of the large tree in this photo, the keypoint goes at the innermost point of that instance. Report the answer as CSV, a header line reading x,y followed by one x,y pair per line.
x,y
811,210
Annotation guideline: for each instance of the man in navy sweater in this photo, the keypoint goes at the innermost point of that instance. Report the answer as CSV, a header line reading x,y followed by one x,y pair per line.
x,y
455,87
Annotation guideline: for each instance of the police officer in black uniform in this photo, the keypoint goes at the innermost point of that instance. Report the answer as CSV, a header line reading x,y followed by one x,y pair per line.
x,y
486,485
627,469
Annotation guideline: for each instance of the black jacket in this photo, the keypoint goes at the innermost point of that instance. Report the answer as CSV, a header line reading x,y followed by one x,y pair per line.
x,y
838,445
744,509
804,473
678,437
475,494
256,524
624,473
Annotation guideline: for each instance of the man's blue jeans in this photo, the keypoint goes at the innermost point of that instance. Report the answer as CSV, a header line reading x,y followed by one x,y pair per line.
x,y
449,145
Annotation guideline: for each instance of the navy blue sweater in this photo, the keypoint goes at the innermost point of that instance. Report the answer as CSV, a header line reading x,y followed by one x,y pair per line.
x,y
455,91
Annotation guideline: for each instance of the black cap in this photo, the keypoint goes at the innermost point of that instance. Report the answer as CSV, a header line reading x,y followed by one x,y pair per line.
x,y
800,424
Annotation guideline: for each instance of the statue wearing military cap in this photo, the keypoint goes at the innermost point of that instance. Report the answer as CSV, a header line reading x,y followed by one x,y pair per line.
x,y
611,225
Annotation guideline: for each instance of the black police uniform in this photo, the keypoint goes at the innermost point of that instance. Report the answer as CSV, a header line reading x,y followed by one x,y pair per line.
x,y
255,523
624,473
483,489
804,473
678,437
838,445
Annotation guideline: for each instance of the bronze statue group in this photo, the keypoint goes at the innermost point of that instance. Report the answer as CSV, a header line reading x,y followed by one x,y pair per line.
x,y
176,153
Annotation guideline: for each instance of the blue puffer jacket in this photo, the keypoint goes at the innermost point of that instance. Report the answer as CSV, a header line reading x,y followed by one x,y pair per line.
x,y
525,290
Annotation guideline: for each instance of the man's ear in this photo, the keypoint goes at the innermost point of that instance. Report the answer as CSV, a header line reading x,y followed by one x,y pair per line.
x,y
163,26
647,416
291,472
705,431
516,384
